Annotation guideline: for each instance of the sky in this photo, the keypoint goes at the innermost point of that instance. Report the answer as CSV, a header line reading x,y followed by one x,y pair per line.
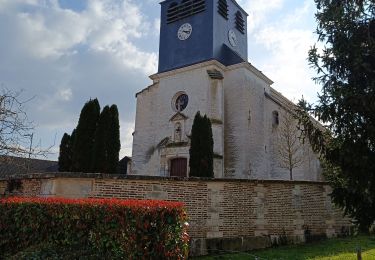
x,y
61,53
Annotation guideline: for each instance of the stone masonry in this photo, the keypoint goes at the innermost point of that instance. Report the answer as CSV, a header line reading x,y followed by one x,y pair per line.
x,y
244,214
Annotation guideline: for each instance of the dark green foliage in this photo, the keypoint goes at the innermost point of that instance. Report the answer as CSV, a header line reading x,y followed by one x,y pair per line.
x,y
113,144
65,159
66,152
100,153
72,140
107,142
201,149
84,140
94,145
346,71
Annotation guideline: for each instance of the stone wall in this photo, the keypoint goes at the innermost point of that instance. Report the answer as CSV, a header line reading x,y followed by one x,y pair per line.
x,y
224,214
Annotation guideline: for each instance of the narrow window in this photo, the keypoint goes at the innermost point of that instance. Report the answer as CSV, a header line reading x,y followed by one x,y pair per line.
x,y
172,13
240,22
185,9
275,118
223,8
198,6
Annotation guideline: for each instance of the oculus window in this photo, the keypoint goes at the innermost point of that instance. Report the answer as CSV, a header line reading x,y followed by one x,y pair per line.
x,y
180,101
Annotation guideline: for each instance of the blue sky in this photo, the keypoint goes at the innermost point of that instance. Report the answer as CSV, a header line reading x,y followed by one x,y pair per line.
x,y
65,52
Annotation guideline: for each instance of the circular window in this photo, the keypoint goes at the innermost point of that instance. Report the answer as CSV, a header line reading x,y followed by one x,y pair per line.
x,y
180,101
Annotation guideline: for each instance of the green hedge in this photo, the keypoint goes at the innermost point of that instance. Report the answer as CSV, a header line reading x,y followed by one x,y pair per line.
x,y
130,229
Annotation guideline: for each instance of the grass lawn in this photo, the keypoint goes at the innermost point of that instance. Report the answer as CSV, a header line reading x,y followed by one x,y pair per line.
x,y
333,249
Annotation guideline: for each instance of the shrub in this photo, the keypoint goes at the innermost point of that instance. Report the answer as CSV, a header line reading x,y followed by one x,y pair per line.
x,y
133,229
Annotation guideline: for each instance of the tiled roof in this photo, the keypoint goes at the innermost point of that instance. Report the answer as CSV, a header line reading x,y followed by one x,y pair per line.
x,y
16,165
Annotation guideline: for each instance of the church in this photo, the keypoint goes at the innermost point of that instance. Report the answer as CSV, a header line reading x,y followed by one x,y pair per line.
x,y
203,66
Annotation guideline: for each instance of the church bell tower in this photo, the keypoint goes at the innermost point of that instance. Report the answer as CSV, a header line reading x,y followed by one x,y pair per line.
x,y
199,40
194,31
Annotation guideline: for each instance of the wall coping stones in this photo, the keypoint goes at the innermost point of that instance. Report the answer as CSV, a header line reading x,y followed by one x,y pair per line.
x,y
81,175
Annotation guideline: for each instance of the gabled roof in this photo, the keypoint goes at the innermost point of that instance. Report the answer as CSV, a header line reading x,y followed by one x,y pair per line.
x,y
178,116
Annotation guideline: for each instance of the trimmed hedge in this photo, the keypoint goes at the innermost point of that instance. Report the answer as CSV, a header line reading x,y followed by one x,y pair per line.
x,y
133,229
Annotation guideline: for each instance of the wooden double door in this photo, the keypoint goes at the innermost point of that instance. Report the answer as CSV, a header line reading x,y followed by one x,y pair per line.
x,y
178,167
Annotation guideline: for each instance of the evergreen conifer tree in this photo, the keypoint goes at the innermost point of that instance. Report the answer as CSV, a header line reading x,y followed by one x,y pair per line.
x,y
102,133
201,149
346,71
65,159
84,140
113,143
107,142
72,140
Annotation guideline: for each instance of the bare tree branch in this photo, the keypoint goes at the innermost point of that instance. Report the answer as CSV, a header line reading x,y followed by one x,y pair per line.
x,y
289,145
16,130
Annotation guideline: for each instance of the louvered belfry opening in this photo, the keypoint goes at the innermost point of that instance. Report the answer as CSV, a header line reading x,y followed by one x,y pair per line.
x,y
184,9
240,22
223,8
178,167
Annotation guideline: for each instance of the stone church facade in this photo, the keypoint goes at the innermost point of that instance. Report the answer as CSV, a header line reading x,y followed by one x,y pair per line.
x,y
203,67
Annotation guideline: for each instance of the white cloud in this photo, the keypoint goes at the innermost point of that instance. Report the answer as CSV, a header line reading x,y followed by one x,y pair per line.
x,y
106,26
9,4
65,94
127,130
52,35
157,26
286,43
259,10
64,57
289,67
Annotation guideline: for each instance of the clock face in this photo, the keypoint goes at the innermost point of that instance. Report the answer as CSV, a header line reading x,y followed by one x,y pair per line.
x,y
184,31
232,38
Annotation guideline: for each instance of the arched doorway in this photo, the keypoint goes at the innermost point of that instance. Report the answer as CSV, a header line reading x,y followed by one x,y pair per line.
x,y
178,167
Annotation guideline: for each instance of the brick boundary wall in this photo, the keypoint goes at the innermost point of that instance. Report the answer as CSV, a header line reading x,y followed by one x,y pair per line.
x,y
225,214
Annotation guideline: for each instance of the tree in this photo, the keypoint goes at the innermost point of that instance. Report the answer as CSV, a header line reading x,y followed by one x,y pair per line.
x,y
94,145
100,153
113,144
289,145
107,141
65,160
201,148
346,71
84,140
16,131
15,128
66,152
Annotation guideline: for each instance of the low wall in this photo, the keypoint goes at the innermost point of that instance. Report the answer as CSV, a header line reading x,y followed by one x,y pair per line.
x,y
225,214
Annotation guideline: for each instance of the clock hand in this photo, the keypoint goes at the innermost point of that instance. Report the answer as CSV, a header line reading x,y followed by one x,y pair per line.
x,y
186,31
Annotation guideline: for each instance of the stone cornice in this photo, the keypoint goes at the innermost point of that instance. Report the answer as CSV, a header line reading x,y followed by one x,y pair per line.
x,y
80,175
147,88
214,63
251,68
